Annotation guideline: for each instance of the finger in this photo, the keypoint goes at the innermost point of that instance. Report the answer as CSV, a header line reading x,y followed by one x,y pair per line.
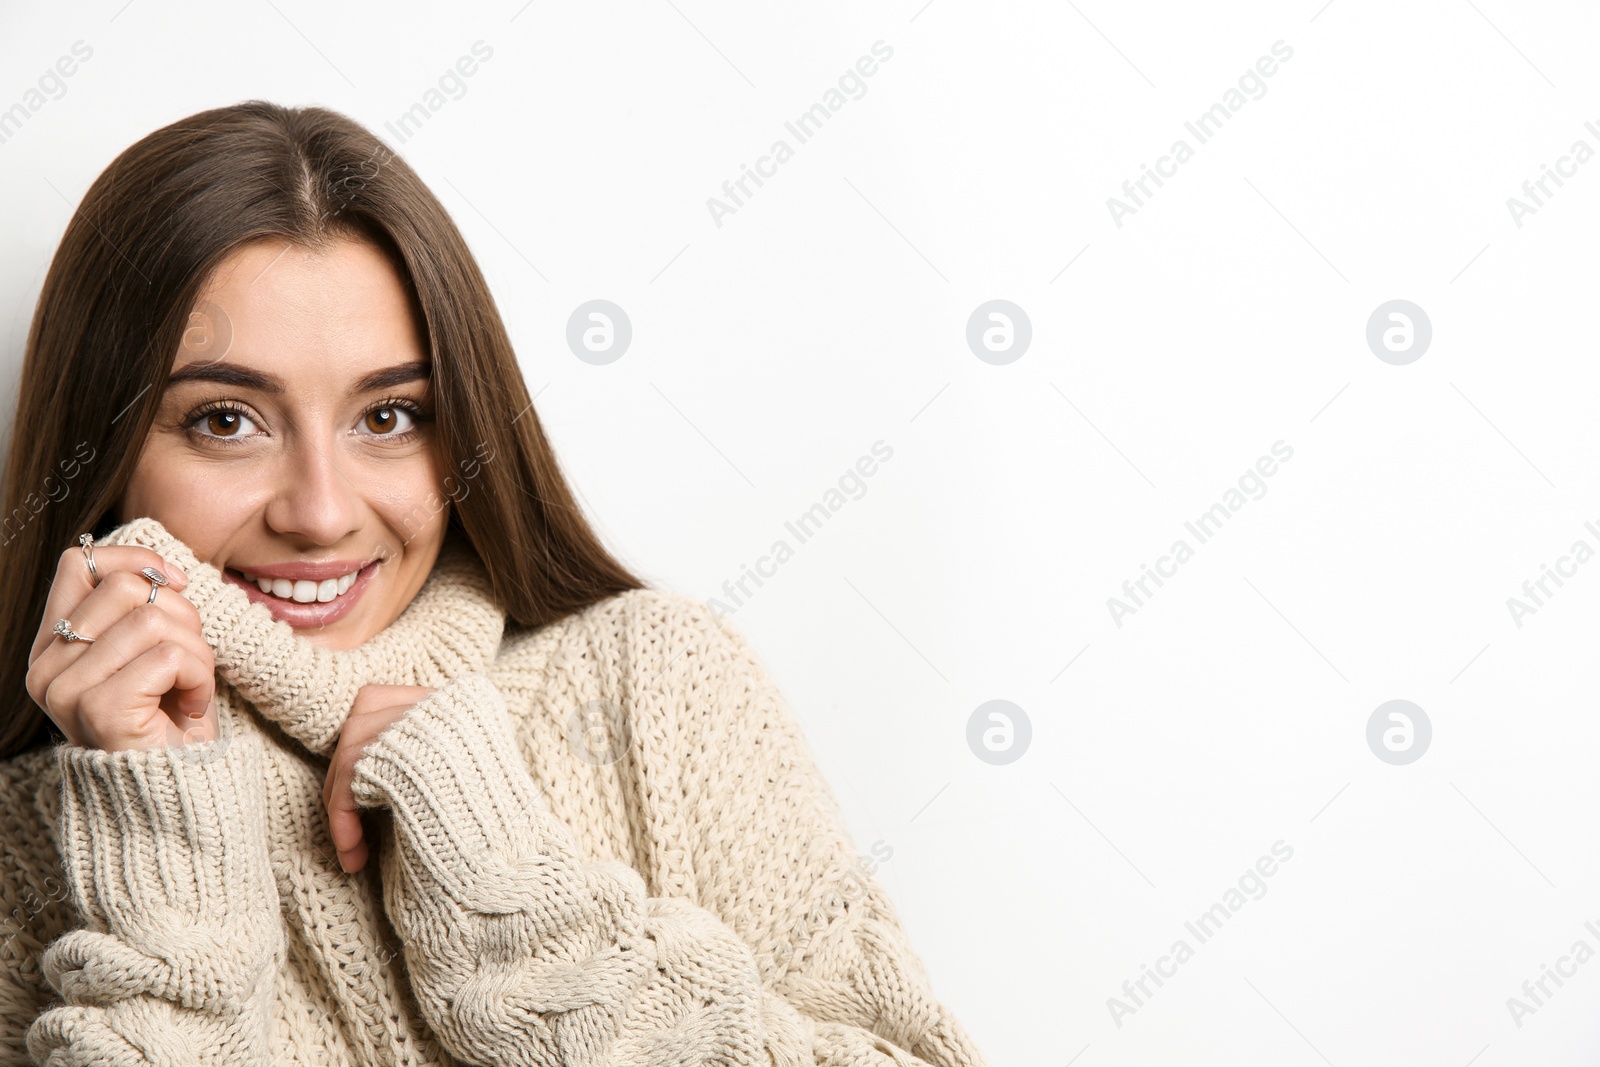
x,y
197,731
344,817
125,710
72,584
118,595
119,644
124,596
374,698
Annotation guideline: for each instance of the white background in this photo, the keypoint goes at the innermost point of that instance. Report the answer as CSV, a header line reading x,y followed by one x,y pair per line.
x,y
1168,354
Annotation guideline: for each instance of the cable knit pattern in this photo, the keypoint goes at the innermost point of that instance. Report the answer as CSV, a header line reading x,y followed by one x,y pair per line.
x,y
687,895
520,953
167,865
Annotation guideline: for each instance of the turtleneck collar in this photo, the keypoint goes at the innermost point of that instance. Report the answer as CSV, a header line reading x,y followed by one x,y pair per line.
x,y
452,626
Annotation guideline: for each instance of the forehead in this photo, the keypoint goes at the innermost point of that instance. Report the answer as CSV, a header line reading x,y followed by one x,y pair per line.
x,y
329,314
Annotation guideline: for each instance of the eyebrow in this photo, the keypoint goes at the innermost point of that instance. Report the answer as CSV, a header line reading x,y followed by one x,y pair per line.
x,y
245,378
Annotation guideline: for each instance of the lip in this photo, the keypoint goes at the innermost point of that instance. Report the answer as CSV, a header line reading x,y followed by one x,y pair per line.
x,y
314,614
313,572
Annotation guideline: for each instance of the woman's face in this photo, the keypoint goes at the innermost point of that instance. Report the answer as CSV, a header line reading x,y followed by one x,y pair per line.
x,y
295,441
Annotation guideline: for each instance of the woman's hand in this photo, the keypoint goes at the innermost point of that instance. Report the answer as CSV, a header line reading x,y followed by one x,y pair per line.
x,y
375,708
147,678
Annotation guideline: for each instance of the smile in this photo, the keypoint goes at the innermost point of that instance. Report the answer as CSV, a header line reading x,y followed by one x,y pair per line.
x,y
304,591
304,602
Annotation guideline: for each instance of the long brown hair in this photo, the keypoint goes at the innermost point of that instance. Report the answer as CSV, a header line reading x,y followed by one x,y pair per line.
x,y
121,291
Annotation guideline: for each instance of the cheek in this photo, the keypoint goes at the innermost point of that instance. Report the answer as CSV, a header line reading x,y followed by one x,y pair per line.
x,y
416,500
200,504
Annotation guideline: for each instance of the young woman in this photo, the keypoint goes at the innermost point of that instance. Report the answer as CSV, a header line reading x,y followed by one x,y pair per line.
x,y
292,581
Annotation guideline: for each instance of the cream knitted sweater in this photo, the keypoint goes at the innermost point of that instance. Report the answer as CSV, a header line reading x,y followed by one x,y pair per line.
x,y
600,841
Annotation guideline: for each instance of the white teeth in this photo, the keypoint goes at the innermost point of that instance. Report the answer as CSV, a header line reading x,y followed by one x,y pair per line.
x,y
305,591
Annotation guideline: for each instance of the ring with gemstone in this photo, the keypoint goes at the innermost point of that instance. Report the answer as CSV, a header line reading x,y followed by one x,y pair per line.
x,y
87,541
64,628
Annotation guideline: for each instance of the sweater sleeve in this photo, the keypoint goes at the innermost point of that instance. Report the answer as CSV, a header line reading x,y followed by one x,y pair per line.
x,y
166,862
775,859
518,952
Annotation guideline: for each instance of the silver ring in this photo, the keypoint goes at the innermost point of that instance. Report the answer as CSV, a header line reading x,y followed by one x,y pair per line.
x,y
64,628
87,541
157,580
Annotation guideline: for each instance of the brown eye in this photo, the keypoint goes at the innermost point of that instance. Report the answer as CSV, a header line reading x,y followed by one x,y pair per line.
x,y
223,423
220,424
388,421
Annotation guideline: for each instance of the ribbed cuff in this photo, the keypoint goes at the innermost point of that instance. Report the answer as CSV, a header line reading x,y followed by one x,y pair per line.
x,y
156,839
450,770
165,851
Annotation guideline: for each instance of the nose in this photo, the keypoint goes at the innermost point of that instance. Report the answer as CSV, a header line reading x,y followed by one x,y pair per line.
x,y
315,499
